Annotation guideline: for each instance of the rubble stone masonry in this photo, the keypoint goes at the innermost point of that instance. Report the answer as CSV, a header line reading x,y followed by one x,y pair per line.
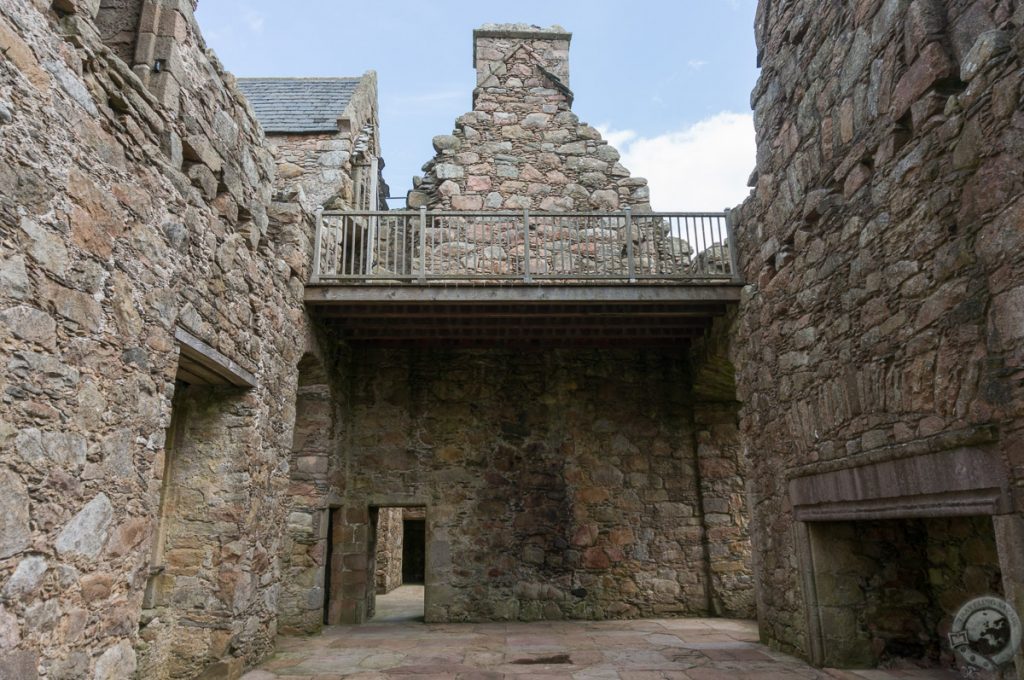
x,y
156,520
557,484
134,204
884,255
389,549
522,146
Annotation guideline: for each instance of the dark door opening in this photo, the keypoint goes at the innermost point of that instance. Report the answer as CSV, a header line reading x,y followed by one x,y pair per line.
x,y
328,554
414,551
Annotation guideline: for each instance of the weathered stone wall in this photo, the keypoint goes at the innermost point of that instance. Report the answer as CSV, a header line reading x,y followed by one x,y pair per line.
x,y
389,550
882,250
724,472
124,215
522,147
557,484
118,25
317,162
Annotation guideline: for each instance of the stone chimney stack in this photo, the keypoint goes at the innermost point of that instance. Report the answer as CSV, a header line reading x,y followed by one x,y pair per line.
x,y
493,43
522,146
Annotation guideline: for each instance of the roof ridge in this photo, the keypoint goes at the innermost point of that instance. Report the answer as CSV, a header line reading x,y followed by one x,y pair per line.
x,y
335,78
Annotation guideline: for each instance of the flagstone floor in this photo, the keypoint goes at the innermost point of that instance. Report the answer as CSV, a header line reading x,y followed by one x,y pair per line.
x,y
397,646
404,604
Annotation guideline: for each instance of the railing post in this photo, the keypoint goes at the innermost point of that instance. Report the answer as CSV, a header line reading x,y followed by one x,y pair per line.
x,y
423,244
730,238
630,264
526,245
318,236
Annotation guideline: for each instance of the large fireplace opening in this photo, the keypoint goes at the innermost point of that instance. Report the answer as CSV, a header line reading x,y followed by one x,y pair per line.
x,y
887,591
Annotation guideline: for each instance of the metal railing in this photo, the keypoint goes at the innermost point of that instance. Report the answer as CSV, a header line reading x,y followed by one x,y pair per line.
x,y
434,246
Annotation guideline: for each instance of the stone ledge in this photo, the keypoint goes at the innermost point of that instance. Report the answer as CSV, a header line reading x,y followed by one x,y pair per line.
x,y
525,31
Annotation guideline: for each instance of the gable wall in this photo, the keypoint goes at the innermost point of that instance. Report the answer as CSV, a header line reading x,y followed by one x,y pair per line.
x,y
522,146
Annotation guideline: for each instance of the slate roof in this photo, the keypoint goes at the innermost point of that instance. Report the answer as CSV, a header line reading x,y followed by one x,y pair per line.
x,y
298,104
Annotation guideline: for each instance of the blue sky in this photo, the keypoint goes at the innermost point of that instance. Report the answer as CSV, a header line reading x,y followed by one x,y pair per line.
x,y
669,81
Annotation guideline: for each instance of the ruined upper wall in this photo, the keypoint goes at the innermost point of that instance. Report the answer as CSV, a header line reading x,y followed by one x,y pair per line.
x,y
883,254
522,146
127,214
324,134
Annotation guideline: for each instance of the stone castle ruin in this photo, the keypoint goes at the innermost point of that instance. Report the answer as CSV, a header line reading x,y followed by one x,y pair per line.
x,y
241,399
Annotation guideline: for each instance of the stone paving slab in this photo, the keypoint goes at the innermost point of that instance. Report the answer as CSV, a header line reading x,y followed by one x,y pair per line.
x,y
648,649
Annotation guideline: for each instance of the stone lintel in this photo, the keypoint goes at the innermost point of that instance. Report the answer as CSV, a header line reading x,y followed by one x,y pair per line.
x,y
400,500
964,481
204,365
976,435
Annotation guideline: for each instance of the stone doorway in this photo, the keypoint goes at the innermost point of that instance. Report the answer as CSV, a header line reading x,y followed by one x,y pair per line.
x,y
398,564
888,590
193,582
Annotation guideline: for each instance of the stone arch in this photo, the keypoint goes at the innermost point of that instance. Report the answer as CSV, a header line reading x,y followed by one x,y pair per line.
x,y
305,548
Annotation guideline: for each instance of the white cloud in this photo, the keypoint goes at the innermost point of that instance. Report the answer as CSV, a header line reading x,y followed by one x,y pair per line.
x,y
254,20
617,138
696,64
701,167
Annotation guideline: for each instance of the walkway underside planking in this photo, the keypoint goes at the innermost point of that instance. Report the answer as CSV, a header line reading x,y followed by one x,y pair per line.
x,y
622,316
